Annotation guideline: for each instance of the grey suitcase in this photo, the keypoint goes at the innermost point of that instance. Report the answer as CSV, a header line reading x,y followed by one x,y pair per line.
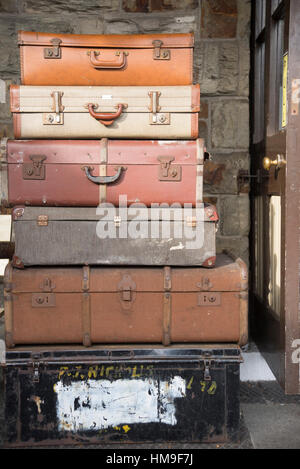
x,y
115,236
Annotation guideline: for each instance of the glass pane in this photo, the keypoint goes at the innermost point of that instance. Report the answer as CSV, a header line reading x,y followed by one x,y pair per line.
x,y
274,296
276,75
274,4
260,16
259,251
259,93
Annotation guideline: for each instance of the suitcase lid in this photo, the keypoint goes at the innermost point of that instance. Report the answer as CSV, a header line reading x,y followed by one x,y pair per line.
x,y
119,41
60,354
63,99
104,151
107,212
227,276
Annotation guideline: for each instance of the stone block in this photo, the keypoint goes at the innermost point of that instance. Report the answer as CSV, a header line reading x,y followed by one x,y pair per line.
x,y
234,215
43,7
203,131
217,67
203,114
244,69
206,66
166,5
230,124
9,63
208,199
238,246
148,24
6,130
219,19
221,172
228,68
5,114
11,6
136,6
92,25
147,6
244,19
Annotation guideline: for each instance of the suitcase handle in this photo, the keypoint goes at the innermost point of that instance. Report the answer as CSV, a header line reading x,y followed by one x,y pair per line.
x,y
119,62
102,179
106,118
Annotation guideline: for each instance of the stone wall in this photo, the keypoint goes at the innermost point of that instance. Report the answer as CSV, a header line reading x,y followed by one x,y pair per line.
x,y
221,66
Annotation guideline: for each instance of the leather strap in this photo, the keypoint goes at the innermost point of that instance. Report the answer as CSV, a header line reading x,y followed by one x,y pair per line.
x,y
86,308
3,173
8,307
102,169
167,307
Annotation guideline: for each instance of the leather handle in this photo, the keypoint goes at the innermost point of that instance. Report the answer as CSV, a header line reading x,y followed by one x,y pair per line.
x,y
102,179
106,118
117,63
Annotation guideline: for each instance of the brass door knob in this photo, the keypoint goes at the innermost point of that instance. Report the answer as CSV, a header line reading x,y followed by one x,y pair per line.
x,y
278,162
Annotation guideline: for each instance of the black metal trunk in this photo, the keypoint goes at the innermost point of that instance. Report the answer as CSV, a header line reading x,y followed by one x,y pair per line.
x,y
121,394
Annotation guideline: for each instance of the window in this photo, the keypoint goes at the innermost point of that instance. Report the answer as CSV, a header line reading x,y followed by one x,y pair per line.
x,y
259,70
276,67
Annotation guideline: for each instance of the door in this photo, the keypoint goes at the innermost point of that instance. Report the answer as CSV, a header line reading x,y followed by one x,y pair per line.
x,y
275,207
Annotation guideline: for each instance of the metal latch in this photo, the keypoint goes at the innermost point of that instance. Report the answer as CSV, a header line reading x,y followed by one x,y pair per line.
x,y
209,299
42,220
48,285
36,367
166,171
127,290
126,294
207,365
243,178
56,117
43,300
117,221
156,117
2,353
159,53
53,52
36,169
191,222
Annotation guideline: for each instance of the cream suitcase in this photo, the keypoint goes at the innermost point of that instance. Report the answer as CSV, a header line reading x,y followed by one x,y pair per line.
x,y
136,112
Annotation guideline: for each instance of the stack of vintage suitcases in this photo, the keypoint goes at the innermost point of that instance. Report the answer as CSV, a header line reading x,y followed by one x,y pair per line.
x,y
115,249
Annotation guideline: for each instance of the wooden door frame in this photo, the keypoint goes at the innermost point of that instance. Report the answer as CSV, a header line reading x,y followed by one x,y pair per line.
x,y
276,337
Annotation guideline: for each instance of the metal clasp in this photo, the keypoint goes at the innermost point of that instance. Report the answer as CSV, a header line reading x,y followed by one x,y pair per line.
x,y
168,171
156,117
117,221
127,289
48,285
53,52
56,117
36,169
36,367
191,222
42,220
207,365
159,53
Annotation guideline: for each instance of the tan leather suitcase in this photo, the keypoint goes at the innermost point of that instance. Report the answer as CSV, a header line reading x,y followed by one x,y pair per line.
x,y
127,305
159,112
123,60
85,173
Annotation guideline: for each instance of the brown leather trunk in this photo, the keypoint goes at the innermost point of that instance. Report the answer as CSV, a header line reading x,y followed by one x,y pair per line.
x,y
127,305
130,60
90,172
